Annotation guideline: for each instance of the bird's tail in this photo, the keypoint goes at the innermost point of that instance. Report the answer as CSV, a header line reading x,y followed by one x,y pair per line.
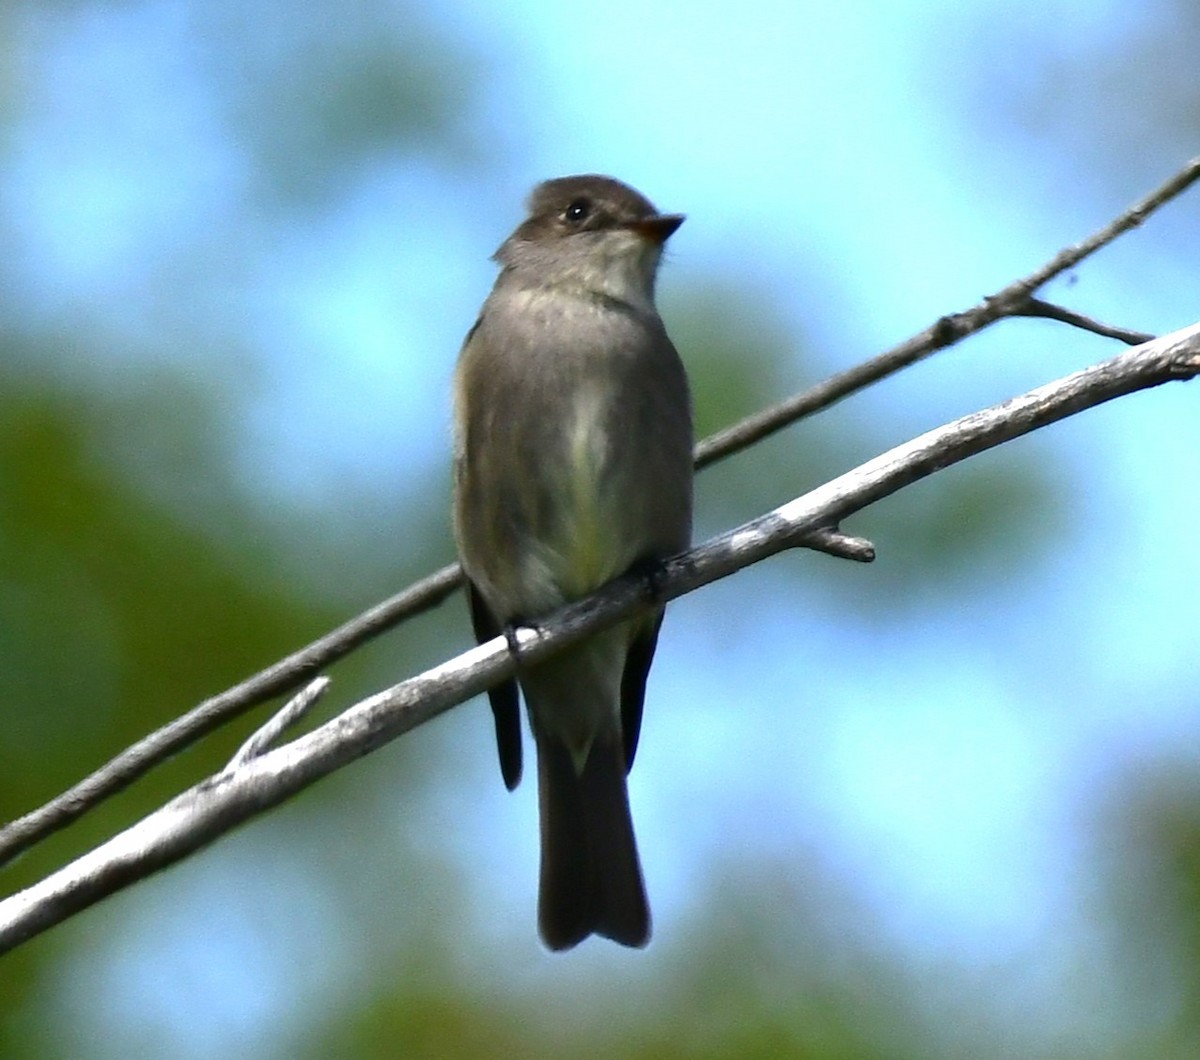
x,y
591,879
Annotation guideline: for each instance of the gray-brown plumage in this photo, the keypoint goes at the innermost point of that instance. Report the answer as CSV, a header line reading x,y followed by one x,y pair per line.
x,y
573,442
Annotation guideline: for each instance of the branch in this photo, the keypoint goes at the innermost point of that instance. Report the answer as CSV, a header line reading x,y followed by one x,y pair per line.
x,y
288,673
214,806
1013,300
211,714
263,739
1035,307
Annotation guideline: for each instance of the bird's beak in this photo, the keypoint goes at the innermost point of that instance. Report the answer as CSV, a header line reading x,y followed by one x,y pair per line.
x,y
657,229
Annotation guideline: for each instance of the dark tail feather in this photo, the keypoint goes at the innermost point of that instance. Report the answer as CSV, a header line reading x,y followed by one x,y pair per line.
x,y
591,880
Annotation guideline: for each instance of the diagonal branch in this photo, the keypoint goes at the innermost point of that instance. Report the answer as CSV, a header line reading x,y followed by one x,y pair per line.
x,y
216,805
1011,301
1035,307
262,739
212,713
302,665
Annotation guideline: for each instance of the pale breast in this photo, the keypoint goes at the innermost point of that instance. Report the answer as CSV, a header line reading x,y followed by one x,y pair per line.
x,y
587,448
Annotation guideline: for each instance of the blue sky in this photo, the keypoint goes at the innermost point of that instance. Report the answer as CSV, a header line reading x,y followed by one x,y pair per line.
x,y
835,158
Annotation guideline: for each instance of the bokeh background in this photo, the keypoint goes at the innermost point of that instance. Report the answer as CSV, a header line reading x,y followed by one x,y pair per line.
x,y
946,805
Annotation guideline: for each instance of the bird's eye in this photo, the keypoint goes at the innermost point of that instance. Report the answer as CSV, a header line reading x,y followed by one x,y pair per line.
x,y
578,211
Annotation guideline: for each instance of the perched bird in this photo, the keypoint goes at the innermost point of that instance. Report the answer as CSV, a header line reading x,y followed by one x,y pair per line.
x,y
572,465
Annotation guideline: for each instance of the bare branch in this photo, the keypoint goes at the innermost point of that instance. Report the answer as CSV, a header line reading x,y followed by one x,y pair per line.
x,y
291,712
835,543
1011,301
1131,218
216,805
427,593
1035,307
211,714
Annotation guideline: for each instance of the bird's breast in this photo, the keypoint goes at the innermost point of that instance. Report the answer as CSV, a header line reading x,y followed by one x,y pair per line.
x,y
587,539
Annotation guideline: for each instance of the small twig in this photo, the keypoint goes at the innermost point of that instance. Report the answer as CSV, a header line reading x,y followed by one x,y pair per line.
x,y
264,738
843,546
1035,307
834,543
427,593
213,807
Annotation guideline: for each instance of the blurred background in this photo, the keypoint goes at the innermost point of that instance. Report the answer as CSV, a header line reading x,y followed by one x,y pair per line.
x,y
946,805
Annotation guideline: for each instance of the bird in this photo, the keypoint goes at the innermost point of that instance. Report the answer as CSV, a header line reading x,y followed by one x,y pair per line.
x,y
572,466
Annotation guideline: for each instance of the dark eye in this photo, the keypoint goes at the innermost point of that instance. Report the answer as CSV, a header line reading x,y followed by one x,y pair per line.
x,y
578,211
